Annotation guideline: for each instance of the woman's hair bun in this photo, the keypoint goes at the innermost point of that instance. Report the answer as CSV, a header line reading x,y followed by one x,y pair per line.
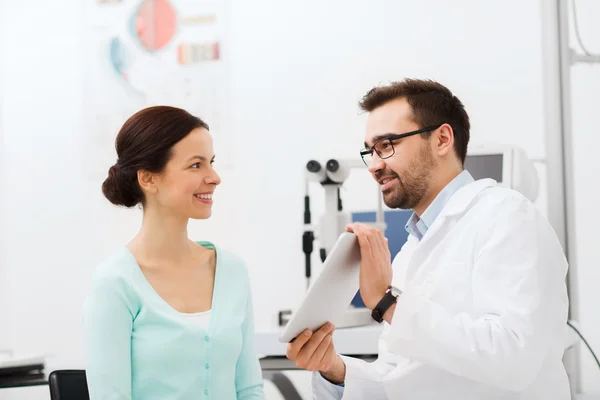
x,y
117,188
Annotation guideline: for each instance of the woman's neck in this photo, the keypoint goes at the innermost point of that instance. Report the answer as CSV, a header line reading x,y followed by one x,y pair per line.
x,y
162,237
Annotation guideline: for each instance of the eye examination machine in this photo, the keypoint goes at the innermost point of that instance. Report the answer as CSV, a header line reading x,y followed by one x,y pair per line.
x,y
331,175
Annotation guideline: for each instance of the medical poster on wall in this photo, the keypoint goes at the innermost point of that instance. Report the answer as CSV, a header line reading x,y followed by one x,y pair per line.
x,y
154,52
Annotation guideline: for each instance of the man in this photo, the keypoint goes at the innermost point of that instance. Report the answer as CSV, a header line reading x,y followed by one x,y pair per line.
x,y
475,303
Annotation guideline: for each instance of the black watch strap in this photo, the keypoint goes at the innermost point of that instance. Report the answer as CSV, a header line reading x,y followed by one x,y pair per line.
x,y
383,305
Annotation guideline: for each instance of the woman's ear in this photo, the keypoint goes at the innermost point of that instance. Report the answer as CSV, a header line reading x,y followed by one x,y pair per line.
x,y
147,181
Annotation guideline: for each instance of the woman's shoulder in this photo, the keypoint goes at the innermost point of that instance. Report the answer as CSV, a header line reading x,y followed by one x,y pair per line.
x,y
112,283
116,270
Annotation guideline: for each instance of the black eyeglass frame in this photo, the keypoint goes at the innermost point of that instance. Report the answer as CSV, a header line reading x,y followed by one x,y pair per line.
x,y
391,138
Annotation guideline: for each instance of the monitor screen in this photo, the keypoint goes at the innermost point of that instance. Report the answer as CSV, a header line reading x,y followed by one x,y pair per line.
x,y
485,166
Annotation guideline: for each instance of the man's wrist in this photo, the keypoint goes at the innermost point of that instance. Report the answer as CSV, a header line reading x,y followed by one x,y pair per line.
x,y
384,310
337,373
375,301
388,316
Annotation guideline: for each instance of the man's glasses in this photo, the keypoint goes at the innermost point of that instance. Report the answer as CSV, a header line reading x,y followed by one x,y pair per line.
x,y
384,147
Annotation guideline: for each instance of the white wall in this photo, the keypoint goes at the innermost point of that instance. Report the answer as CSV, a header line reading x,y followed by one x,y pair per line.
x,y
585,103
46,221
298,69
3,298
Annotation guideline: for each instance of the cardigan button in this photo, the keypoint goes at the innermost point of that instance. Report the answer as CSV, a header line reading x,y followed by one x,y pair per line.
x,y
207,366
206,392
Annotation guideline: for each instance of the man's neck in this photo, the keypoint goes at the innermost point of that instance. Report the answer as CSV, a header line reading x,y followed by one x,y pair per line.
x,y
435,187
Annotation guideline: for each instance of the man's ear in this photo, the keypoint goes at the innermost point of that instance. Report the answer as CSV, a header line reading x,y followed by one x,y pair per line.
x,y
444,142
147,181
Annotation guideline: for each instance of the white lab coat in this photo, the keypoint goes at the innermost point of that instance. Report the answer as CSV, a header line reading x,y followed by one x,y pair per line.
x,y
483,311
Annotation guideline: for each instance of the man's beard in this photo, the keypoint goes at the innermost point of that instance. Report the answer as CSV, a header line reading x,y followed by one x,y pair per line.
x,y
412,186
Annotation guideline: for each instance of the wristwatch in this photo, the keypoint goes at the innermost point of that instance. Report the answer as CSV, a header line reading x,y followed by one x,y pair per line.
x,y
390,297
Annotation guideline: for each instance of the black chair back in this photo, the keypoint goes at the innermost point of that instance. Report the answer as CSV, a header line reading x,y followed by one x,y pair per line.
x,y
68,384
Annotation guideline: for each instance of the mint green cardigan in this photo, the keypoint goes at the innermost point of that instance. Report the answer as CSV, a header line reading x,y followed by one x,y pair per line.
x,y
139,347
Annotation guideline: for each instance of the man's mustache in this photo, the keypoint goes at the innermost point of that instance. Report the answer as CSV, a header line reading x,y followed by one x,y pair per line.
x,y
381,174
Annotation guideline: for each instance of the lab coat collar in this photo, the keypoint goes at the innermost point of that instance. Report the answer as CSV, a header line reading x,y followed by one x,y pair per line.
x,y
458,204
463,197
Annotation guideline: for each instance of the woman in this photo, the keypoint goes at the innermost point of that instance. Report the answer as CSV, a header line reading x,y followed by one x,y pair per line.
x,y
169,318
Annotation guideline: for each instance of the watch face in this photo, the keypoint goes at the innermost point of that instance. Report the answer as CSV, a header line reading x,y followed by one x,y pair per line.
x,y
395,291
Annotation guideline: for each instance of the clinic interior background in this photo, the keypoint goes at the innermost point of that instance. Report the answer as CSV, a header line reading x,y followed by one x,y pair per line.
x,y
295,73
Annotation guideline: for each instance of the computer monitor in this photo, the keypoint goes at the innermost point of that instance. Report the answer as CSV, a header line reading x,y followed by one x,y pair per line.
x,y
508,165
485,166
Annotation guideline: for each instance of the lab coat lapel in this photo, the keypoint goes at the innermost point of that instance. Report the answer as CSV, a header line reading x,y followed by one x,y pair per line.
x,y
456,206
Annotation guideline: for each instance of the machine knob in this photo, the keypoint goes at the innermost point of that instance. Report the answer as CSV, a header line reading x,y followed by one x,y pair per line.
x,y
333,165
313,166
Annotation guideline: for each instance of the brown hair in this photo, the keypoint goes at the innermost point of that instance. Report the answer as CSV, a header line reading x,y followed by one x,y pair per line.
x,y
144,143
432,104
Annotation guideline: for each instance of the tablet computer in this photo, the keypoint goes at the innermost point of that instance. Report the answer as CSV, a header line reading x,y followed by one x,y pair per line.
x,y
329,297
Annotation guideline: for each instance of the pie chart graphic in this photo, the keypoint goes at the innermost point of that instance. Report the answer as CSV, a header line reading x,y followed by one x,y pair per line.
x,y
154,24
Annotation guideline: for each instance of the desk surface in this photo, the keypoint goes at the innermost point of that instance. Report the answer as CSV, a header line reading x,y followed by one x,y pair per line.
x,y
20,381
356,340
